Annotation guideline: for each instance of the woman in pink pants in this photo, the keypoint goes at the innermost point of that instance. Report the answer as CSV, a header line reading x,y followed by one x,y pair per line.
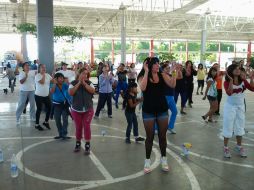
x,y
82,91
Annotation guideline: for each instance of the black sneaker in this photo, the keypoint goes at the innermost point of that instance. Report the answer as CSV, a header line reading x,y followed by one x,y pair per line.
x,y
217,113
127,141
201,93
57,137
139,139
46,125
77,147
110,116
117,106
66,138
87,148
183,112
39,127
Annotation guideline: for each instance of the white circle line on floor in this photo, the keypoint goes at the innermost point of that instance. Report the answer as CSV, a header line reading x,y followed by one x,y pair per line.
x,y
190,175
195,154
88,184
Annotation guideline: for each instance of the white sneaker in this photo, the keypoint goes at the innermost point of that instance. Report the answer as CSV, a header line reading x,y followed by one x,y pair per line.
x,y
18,122
241,151
172,131
147,167
164,164
226,152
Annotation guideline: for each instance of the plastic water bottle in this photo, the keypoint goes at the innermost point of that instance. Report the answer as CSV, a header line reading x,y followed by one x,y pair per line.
x,y
1,156
103,134
14,167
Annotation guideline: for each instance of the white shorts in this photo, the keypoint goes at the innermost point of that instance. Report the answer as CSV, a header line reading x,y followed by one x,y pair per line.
x,y
233,120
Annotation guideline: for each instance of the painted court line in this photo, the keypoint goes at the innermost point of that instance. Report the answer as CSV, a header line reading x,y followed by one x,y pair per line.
x,y
213,159
99,165
86,184
190,175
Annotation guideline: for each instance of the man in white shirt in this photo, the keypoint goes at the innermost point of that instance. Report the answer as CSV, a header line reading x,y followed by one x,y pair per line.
x,y
69,75
27,88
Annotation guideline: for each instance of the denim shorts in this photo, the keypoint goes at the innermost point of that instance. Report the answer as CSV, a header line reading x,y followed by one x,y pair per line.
x,y
153,116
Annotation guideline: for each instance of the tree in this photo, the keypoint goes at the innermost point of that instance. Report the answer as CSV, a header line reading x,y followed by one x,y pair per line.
x,y
212,47
194,46
163,56
179,46
143,45
163,47
226,47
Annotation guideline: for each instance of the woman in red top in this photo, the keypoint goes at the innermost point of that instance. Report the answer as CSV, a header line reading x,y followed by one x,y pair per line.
x,y
234,112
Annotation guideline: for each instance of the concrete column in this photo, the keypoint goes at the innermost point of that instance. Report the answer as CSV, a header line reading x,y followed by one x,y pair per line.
x,y
151,49
203,40
92,52
45,34
24,47
123,34
113,51
249,52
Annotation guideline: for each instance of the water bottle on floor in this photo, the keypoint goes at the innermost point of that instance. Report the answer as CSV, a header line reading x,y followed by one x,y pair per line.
x,y
1,156
14,167
103,134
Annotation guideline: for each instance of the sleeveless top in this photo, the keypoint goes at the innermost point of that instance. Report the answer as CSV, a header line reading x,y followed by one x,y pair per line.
x,y
154,97
82,100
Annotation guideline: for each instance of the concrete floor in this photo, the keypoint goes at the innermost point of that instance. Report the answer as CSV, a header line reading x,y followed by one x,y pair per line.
x,y
47,164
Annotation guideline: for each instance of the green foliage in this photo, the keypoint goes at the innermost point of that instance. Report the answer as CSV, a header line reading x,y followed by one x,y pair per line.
x,y
193,46
166,56
93,73
143,45
141,57
212,47
211,57
65,32
226,47
27,27
102,55
163,47
177,46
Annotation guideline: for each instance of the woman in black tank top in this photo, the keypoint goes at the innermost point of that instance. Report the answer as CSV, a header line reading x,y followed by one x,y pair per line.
x,y
152,83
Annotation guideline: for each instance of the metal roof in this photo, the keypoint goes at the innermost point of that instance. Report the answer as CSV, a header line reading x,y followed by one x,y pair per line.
x,y
157,19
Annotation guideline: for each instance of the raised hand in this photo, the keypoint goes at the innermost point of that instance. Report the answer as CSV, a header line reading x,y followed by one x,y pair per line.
x,y
230,78
145,66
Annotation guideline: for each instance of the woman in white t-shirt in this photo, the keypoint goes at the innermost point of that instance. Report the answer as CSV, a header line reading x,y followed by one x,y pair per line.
x,y
211,94
132,73
27,87
42,85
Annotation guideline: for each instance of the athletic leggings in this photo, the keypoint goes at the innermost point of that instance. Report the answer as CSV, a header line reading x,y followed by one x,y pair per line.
x,y
82,121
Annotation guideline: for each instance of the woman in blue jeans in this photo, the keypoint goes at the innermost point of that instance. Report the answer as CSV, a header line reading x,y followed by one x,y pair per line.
x,y
169,93
122,83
